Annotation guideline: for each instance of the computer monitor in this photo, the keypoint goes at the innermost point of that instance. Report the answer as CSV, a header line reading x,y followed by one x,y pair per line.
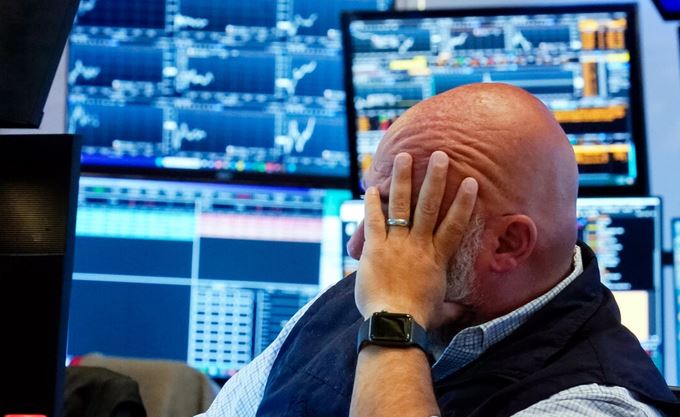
x,y
32,37
244,91
38,194
581,61
625,234
196,272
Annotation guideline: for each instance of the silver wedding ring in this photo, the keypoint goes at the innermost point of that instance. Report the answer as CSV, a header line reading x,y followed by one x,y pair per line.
x,y
398,222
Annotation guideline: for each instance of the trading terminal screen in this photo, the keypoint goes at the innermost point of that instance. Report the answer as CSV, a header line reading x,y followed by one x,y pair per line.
x,y
581,62
216,89
625,234
206,274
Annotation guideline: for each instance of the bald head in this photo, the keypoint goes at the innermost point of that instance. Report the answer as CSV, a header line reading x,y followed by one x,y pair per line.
x,y
499,134
506,139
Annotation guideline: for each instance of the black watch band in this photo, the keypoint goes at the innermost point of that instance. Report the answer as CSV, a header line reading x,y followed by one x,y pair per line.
x,y
393,330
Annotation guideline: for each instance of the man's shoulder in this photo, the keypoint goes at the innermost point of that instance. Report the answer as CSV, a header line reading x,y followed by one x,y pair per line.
x,y
338,296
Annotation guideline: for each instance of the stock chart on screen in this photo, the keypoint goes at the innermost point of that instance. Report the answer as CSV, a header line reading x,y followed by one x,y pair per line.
x,y
581,62
212,89
625,234
197,272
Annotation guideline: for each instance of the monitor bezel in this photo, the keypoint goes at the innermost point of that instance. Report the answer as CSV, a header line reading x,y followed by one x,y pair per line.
x,y
641,185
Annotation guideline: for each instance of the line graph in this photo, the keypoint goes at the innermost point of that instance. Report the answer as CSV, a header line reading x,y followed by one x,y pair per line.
x,y
122,14
315,75
86,6
182,21
295,139
82,70
211,131
518,40
455,41
290,84
216,16
189,78
103,65
236,71
400,43
179,135
80,118
291,27
327,13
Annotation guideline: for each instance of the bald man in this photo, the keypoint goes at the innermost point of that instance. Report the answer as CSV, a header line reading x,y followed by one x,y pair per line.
x,y
473,297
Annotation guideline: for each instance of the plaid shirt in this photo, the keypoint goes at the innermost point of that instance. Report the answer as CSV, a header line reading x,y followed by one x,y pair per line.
x,y
241,395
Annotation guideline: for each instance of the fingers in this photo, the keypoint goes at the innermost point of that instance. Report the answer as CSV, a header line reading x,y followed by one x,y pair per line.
x,y
451,230
355,244
374,220
430,197
399,206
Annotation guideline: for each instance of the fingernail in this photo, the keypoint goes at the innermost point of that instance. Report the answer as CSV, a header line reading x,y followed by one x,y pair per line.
x,y
372,191
469,185
402,159
440,158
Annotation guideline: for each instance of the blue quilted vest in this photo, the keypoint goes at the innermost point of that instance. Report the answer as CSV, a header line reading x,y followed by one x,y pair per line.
x,y
577,338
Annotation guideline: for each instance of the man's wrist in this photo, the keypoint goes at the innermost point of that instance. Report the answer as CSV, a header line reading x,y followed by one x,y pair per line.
x,y
411,353
393,330
421,318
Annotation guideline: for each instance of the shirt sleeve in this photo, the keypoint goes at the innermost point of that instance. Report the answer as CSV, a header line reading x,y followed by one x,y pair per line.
x,y
242,393
591,400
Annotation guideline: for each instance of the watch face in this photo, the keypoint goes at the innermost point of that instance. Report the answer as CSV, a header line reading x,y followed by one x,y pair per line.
x,y
390,327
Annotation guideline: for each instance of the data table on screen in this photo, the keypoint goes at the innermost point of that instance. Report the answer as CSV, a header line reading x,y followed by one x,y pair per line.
x,y
196,272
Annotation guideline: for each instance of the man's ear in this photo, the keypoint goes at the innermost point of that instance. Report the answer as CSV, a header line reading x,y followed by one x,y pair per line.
x,y
516,236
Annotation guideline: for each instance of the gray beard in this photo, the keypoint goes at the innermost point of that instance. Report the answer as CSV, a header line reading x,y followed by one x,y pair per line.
x,y
460,277
460,280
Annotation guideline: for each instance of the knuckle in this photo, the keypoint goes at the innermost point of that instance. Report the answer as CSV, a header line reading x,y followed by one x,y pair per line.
x,y
373,221
429,208
400,206
455,228
372,218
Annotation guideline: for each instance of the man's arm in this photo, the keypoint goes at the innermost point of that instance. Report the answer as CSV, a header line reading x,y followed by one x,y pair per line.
x,y
403,270
393,382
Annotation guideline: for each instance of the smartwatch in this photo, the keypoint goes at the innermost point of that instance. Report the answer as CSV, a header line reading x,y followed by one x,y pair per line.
x,y
393,330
